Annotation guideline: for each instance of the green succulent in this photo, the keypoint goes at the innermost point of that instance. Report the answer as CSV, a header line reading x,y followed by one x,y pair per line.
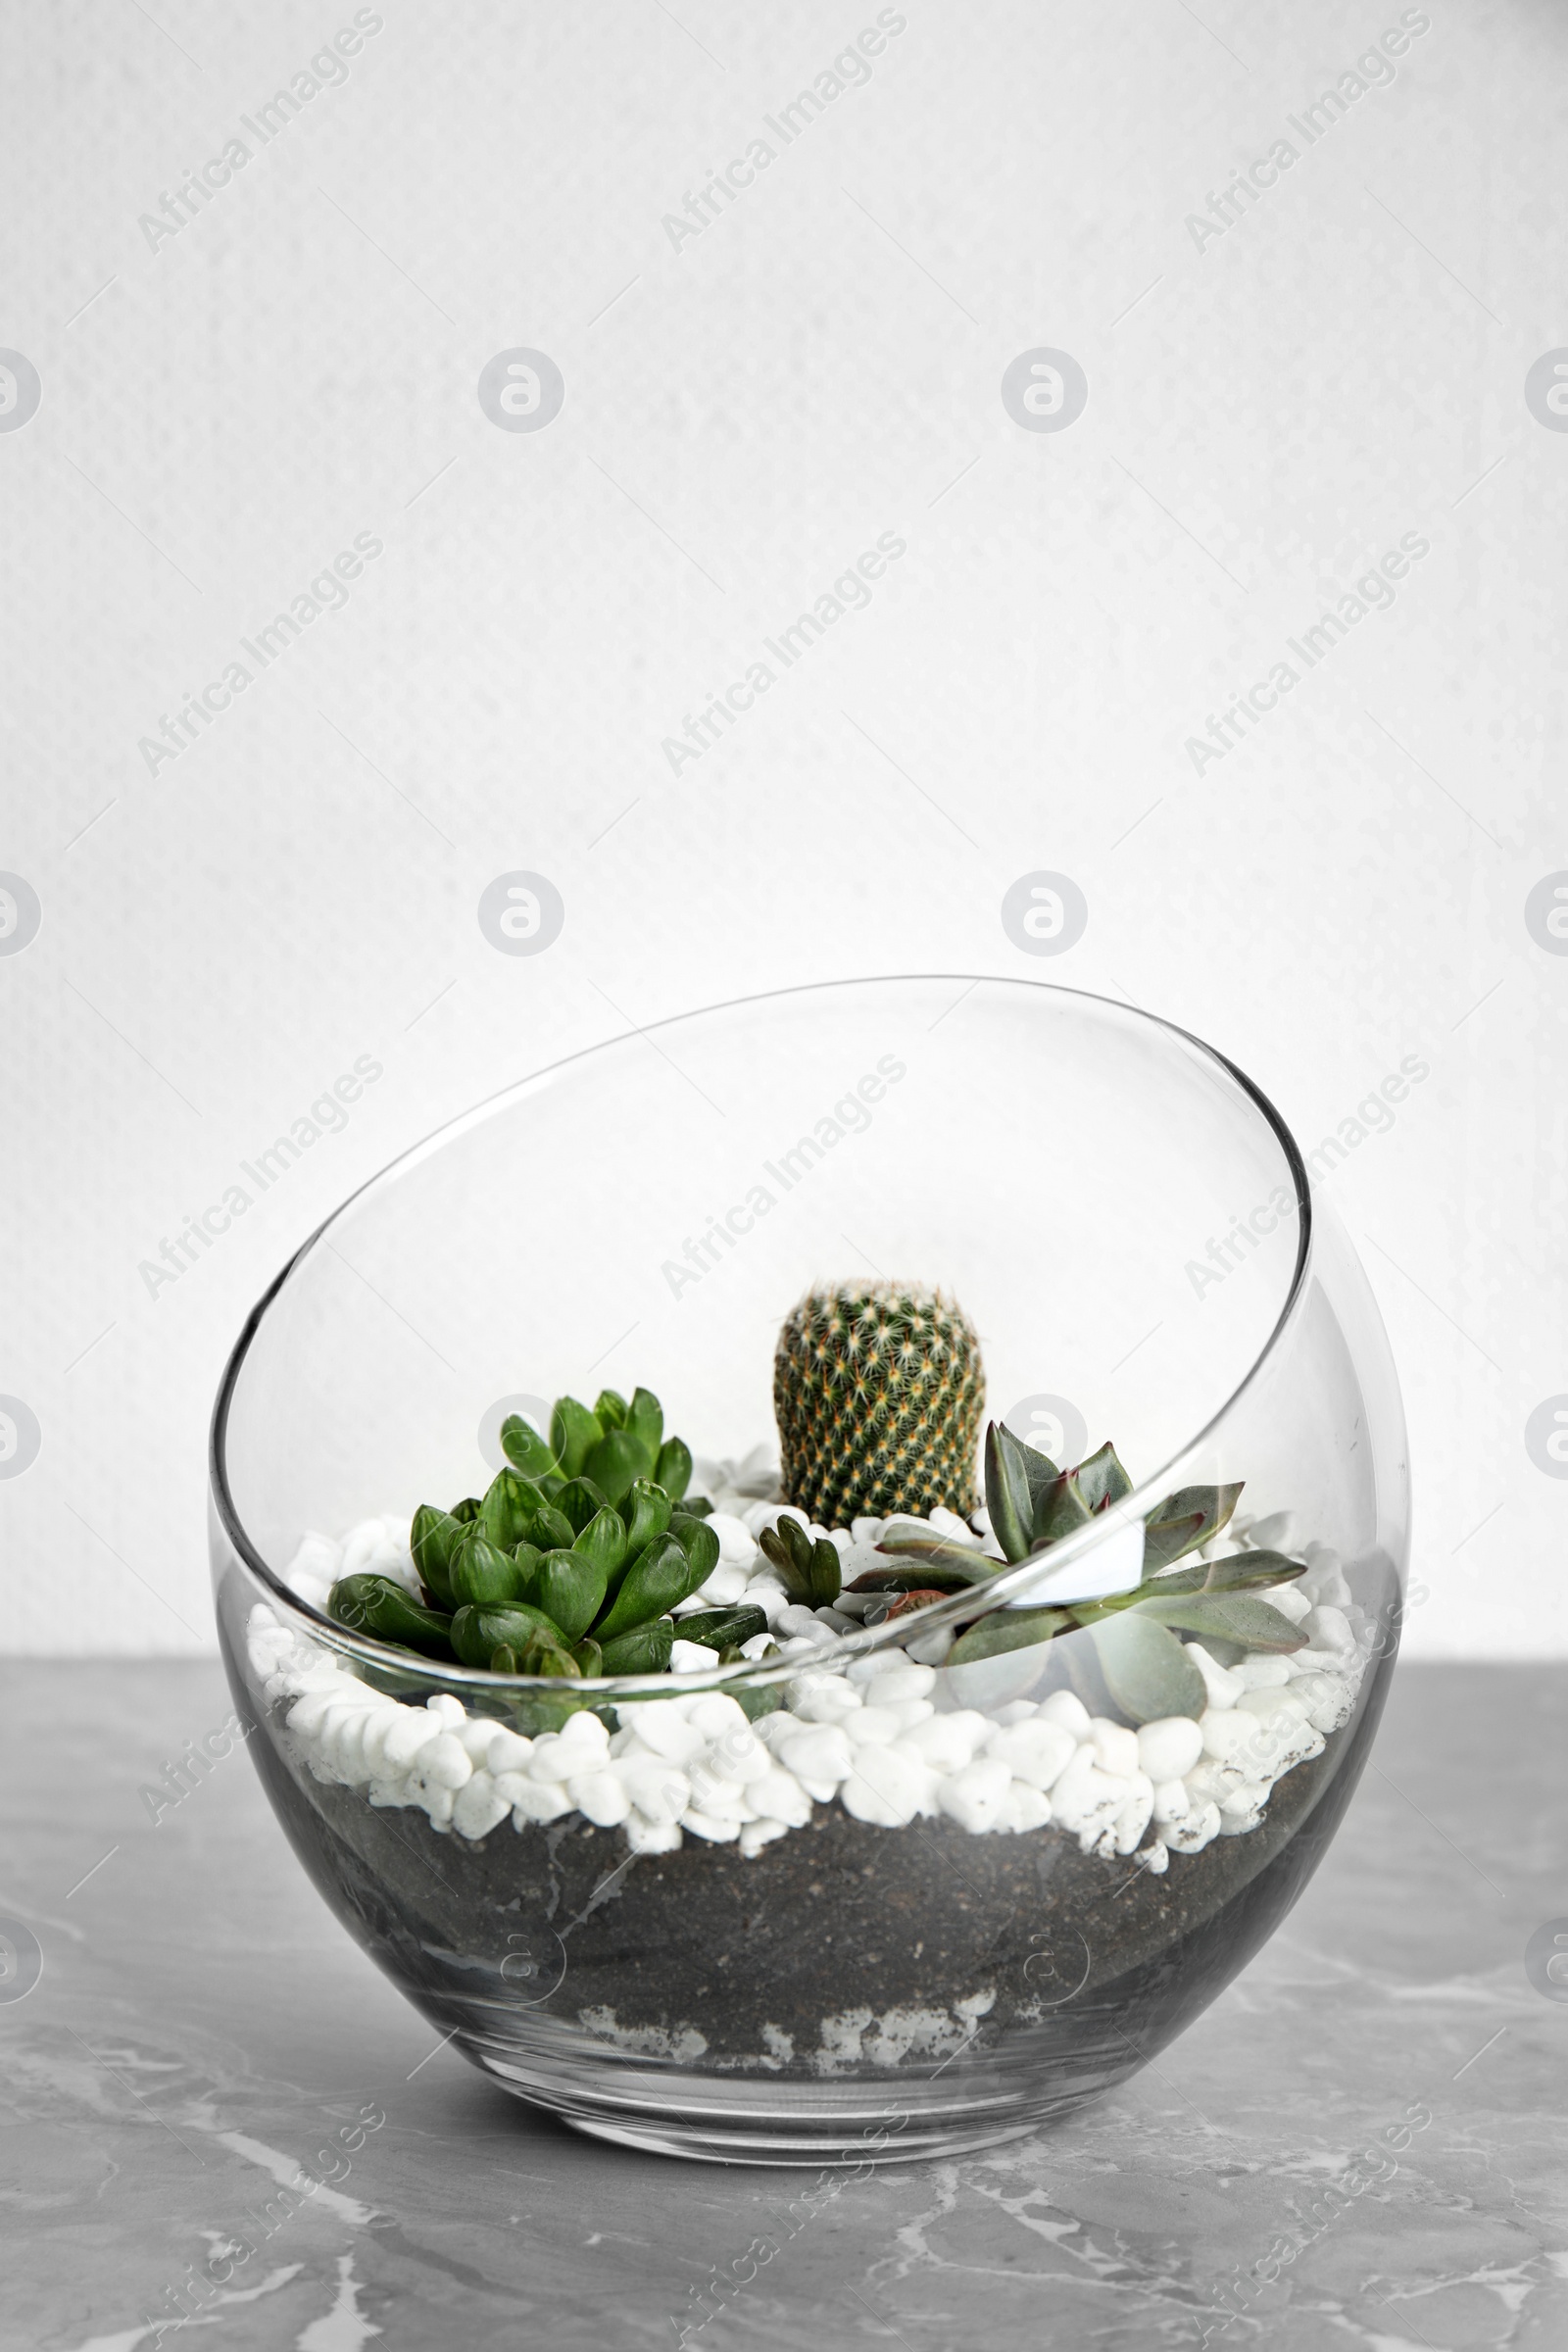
x,y
1142,1663
878,1390
571,1562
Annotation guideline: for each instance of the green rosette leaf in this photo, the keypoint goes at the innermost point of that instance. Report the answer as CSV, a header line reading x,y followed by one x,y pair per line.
x,y
574,1432
485,1577
722,1629
1004,1630
477,1633
1230,1617
1147,1671
379,1606
610,1409
1101,1480
506,1514
674,1468
1243,1572
698,1541
1185,1520
605,1541
434,1538
657,1581
525,1448
645,1418
644,1649
570,1588
614,1462
651,1509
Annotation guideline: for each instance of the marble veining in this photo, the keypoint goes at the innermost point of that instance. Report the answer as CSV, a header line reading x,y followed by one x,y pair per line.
x,y
1359,2148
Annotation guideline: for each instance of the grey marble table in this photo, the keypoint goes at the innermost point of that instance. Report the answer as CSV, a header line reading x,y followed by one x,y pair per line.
x,y
201,2027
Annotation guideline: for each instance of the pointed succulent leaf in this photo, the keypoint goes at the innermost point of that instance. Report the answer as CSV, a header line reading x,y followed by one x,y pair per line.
x,y
589,1657
1147,1671
604,1541
1004,1630
697,1506
507,1512
659,1580
477,1633
503,1659
961,1561
924,1573
579,1500
826,1574
467,1510
525,1449
574,1432
1059,1511
722,1629
1232,1616
379,1606
645,1649
698,1541
1185,1520
434,1538
919,1596
1101,1480
673,1469
645,1419
610,1409
548,1656
792,1552
1243,1572
570,1588
552,1530
1010,1489
650,1508
485,1577
614,1462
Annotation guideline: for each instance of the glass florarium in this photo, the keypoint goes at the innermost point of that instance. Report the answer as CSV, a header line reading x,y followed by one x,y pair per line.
x,y
814,1581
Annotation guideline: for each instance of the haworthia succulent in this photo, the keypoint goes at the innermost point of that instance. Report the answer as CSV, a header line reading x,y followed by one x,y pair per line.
x,y
433,1539
659,1580
379,1605
486,1577
476,1633
645,1649
570,1588
674,1468
525,1448
574,1432
507,1512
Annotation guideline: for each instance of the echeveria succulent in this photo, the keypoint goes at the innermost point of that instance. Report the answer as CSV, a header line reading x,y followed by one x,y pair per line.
x,y
1031,1505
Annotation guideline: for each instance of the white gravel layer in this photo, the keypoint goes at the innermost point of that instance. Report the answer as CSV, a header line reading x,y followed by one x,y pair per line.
x,y
884,1737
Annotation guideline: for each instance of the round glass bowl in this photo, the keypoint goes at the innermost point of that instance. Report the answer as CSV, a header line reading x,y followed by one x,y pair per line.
x,y
993,1893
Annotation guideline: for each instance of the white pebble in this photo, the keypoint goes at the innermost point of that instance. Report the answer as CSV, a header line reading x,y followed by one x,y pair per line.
x,y
1228,1734
1115,1746
819,1752
708,1826
1198,1829
445,1764
1133,1818
901,1679
1289,1601
652,1837
715,1715
1168,1748
1222,1686
446,1709
658,1789
737,1546
475,1732
1263,1673
691,1657
872,1727
948,1742
359,1544
1328,1628
479,1806
412,1732
601,1795
1171,1801
660,1725
754,1834
538,1800
976,1796
778,1796
1037,1751
508,1752
824,1698
1028,1808
1067,1709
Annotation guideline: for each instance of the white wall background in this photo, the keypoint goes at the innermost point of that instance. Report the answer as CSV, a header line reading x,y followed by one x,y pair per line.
x,y
1268,416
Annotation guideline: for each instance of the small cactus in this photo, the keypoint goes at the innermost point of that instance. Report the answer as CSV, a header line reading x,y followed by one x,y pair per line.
x,y
878,1390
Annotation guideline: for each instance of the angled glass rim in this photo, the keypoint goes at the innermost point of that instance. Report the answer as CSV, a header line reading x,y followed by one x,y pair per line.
x,y
1013,1586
